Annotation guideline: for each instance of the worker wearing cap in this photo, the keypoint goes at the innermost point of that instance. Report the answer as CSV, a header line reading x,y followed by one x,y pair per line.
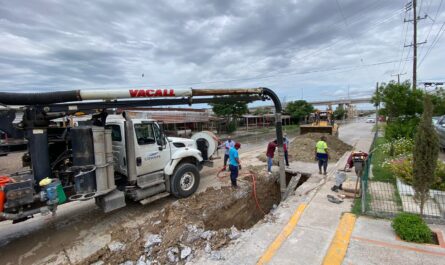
x,y
322,155
234,164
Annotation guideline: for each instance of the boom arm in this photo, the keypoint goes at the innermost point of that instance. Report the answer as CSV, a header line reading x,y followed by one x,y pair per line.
x,y
40,105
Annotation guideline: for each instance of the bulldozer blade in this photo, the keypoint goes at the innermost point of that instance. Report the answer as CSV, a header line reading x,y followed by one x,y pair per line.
x,y
315,129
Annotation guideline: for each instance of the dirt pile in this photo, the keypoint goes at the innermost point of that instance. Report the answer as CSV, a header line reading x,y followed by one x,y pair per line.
x,y
302,148
203,223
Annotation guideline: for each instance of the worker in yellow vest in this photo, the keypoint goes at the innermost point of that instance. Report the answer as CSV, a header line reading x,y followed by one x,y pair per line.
x,y
322,155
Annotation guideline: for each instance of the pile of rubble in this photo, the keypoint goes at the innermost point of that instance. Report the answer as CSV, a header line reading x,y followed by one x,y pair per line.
x,y
199,225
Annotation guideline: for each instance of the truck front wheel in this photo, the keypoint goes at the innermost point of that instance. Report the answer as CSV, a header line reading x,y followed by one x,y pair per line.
x,y
185,180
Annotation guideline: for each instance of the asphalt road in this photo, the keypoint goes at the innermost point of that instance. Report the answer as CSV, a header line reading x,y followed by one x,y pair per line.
x,y
29,241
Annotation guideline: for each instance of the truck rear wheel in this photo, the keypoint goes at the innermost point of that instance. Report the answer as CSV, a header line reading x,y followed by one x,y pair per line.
x,y
185,180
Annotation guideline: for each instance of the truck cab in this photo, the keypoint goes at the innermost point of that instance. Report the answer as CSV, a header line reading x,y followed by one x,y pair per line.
x,y
157,157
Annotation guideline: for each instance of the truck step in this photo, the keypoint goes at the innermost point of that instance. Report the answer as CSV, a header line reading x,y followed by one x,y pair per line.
x,y
151,183
154,198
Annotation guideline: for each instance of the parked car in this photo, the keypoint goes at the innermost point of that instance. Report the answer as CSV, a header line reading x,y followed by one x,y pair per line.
x,y
370,120
440,128
3,140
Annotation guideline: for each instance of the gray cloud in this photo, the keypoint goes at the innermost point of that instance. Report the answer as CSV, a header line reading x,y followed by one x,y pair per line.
x,y
282,44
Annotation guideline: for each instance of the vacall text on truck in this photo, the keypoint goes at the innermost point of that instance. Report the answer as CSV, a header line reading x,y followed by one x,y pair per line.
x,y
114,158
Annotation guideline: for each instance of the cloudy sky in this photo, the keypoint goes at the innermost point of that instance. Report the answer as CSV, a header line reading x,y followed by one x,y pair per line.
x,y
315,49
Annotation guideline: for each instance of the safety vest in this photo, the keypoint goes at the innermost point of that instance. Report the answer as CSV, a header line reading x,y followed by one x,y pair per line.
x,y
321,147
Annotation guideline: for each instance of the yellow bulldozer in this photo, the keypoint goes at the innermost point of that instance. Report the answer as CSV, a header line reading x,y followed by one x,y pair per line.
x,y
320,122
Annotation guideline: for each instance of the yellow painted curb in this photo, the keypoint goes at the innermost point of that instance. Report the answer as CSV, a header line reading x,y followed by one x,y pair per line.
x,y
339,245
287,230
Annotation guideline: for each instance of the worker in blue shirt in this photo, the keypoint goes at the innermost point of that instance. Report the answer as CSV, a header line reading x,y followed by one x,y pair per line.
x,y
234,164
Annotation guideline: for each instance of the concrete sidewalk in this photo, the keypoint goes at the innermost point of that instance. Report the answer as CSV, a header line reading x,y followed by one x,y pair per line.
x,y
309,242
317,218
374,242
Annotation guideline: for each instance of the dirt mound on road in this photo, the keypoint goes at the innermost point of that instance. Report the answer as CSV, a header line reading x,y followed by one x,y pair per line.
x,y
202,223
302,148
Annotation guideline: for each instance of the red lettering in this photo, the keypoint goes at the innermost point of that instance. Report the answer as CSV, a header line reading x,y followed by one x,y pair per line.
x,y
141,93
133,93
158,93
152,93
149,92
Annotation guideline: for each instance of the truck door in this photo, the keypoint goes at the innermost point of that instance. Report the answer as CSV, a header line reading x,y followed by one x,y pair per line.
x,y
149,156
118,140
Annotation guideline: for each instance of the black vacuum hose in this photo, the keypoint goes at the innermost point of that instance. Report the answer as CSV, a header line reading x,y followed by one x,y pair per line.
x,y
41,98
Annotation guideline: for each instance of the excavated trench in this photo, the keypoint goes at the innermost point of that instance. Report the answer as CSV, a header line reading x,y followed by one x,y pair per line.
x,y
210,219
244,212
304,177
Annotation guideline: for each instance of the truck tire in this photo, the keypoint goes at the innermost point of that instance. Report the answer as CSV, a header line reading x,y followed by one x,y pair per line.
x,y
185,180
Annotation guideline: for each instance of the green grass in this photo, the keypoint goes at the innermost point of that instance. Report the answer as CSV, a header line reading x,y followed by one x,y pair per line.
x,y
357,205
378,172
381,127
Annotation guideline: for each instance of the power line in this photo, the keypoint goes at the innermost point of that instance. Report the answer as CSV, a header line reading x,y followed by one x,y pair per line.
x,y
413,5
404,42
341,69
399,11
431,27
407,56
435,41
434,22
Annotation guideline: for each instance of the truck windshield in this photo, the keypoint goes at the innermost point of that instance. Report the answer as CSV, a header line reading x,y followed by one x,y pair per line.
x,y
144,133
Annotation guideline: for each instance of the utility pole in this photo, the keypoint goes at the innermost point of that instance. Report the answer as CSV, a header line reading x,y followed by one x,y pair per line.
x,y
398,77
414,43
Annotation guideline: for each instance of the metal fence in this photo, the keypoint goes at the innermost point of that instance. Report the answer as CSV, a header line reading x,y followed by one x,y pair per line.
x,y
387,198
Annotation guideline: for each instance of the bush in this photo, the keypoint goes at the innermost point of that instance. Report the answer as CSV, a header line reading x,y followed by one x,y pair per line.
x,y
379,172
412,228
401,128
401,146
402,167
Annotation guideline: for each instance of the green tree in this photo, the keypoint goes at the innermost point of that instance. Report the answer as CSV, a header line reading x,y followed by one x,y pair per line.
x,y
425,154
261,111
230,108
402,105
438,99
299,109
399,100
339,113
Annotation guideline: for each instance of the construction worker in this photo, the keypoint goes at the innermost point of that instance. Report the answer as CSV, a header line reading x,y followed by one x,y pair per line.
x,y
322,155
234,164
286,147
270,154
229,143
